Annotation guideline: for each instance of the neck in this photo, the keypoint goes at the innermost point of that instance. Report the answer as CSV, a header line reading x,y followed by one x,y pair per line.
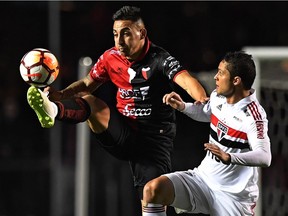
x,y
237,96
136,55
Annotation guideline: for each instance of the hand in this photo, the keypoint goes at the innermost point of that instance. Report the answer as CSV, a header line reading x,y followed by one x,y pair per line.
x,y
52,94
219,153
174,100
202,101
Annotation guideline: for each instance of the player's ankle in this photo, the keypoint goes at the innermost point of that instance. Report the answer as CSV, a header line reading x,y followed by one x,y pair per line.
x,y
73,110
151,209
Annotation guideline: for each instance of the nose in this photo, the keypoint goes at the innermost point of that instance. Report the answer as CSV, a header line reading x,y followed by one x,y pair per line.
x,y
120,40
117,39
216,76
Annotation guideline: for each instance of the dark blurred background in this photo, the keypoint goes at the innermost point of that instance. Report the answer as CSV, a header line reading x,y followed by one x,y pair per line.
x,y
37,178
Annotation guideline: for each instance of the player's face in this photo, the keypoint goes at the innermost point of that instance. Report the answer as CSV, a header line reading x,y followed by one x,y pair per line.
x,y
128,38
224,84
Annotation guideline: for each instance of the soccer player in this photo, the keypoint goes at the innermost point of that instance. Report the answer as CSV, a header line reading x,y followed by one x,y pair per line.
x,y
140,129
225,183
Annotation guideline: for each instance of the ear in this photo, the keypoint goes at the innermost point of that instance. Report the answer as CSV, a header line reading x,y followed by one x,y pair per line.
x,y
237,80
143,33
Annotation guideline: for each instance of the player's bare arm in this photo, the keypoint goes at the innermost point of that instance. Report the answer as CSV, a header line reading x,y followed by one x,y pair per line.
x,y
192,86
81,87
219,153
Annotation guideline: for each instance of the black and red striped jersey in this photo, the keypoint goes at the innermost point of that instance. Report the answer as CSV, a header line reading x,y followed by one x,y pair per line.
x,y
142,83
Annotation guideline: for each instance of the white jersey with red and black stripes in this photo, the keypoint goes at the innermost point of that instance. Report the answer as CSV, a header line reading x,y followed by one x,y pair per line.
x,y
142,83
241,130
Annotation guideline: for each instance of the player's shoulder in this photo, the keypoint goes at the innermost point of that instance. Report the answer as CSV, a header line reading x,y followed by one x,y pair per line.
x,y
255,111
112,51
158,51
110,55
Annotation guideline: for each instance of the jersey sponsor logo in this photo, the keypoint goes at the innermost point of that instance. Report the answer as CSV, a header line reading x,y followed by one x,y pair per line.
x,y
222,130
132,74
260,129
173,64
127,111
138,94
258,119
237,118
213,157
168,59
144,72
170,74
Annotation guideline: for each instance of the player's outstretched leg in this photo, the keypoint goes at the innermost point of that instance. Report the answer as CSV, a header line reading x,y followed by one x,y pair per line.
x,y
45,110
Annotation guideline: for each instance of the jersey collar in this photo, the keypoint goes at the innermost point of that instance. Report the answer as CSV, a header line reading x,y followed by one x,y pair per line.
x,y
246,100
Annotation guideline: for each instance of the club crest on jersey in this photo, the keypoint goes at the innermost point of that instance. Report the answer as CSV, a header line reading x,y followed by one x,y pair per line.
x,y
222,130
144,72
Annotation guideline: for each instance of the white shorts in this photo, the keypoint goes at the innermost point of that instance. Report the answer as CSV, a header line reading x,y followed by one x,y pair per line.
x,y
192,195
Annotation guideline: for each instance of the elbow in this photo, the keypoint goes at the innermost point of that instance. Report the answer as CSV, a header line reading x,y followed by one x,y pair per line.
x,y
266,163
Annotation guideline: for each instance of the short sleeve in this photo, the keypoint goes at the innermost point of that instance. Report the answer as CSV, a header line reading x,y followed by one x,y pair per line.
x,y
171,66
98,72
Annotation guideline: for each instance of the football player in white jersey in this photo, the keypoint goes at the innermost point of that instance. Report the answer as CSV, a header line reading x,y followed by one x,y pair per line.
x,y
225,183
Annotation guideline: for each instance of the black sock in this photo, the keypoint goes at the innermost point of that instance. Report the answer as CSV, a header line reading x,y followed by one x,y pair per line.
x,y
73,110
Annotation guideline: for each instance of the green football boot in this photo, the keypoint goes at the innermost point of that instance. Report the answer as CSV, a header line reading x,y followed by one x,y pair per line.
x,y
43,107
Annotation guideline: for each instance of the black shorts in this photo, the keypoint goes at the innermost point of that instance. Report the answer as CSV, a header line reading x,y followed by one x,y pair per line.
x,y
147,147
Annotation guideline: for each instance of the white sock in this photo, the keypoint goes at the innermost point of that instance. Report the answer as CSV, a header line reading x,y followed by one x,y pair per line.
x,y
50,107
55,109
153,210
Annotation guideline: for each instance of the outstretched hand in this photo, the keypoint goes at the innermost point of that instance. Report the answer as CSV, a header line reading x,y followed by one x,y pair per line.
x,y
219,153
53,94
174,100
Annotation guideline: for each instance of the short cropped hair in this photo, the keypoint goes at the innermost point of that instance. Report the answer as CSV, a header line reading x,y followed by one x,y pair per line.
x,y
128,13
241,64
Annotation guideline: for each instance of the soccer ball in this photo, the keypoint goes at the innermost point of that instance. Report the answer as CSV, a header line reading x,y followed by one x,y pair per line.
x,y
39,67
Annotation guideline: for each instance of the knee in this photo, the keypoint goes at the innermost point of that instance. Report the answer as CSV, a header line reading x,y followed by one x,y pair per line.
x,y
159,190
100,114
151,191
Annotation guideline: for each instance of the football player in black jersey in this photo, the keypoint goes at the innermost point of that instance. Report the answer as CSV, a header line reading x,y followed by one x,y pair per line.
x,y
140,128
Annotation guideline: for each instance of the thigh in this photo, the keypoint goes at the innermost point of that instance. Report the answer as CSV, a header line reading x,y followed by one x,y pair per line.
x,y
153,155
190,193
117,137
226,204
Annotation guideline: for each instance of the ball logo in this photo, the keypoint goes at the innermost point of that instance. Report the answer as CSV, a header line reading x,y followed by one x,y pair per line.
x,y
39,75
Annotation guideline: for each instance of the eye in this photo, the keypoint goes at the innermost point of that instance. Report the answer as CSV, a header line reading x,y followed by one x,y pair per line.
x,y
126,33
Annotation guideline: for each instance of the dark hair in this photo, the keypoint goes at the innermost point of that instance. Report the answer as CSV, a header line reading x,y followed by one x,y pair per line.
x,y
241,64
128,13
